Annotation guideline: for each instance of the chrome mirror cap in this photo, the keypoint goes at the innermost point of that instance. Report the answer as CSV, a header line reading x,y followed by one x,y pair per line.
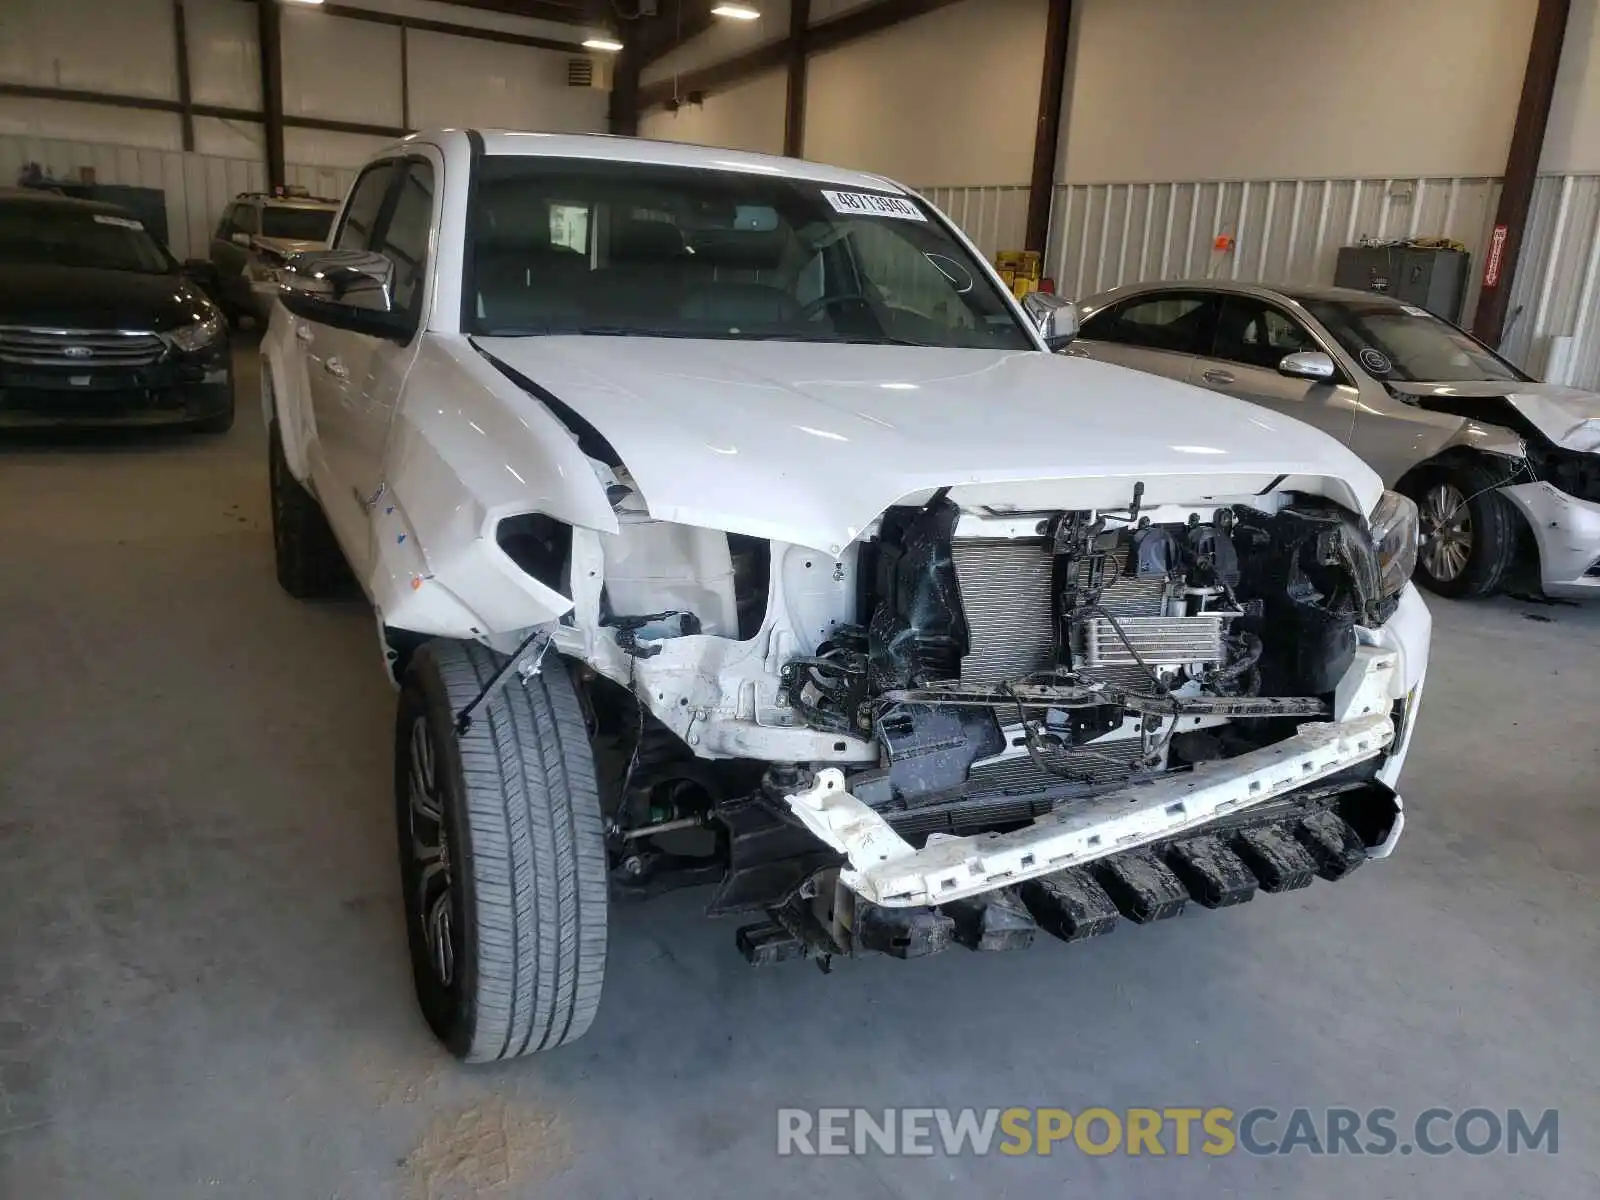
x,y
1055,318
358,279
1308,364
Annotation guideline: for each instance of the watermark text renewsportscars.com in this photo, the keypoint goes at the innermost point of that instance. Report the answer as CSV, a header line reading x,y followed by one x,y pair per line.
x,y
1172,1131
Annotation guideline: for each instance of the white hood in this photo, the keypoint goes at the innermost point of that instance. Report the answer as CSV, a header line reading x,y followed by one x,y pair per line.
x,y
1567,416
810,442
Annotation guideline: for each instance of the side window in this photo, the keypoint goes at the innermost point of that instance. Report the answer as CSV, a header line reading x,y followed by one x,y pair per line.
x,y
227,226
405,234
366,202
244,219
1181,323
1258,334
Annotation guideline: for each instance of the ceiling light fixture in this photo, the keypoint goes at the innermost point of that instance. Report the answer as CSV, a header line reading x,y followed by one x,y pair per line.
x,y
739,12
609,44
303,1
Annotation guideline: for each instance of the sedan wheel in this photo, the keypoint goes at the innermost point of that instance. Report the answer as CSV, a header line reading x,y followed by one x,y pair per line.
x,y
1446,532
1469,529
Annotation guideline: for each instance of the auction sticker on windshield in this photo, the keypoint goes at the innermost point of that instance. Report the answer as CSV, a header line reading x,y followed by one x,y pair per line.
x,y
870,204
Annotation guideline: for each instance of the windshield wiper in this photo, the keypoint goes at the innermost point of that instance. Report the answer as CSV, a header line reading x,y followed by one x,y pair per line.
x,y
886,340
825,340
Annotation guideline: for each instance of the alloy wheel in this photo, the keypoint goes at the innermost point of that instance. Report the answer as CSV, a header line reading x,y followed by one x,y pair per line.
x,y
430,851
1446,532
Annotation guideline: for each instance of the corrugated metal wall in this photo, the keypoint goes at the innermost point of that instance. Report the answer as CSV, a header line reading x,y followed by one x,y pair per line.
x,y
197,185
1104,235
995,218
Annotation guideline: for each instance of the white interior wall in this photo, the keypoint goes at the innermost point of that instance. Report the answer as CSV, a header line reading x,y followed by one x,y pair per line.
x,y
340,69
125,47
335,68
88,122
1285,89
469,81
1572,140
748,116
948,98
224,63
230,139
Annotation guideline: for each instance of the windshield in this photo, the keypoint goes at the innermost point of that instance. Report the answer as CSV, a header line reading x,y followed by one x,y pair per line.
x,y
67,236
296,224
642,250
1409,344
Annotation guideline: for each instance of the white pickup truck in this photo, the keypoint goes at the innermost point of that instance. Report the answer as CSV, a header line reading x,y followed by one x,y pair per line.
x,y
746,479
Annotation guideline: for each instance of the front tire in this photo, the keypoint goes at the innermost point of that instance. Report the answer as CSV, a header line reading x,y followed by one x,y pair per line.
x,y
1469,530
502,855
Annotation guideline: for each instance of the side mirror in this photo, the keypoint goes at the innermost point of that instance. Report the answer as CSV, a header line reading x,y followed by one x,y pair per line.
x,y
240,239
199,270
347,289
1308,364
203,274
1056,319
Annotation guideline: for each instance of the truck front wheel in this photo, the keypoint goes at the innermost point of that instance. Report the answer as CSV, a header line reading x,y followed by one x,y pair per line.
x,y
502,854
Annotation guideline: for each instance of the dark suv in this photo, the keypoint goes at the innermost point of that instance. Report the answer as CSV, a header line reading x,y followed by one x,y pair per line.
x,y
256,235
100,325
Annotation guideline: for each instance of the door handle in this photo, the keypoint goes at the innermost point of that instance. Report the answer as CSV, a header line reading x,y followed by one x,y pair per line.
x,y
1220,378
334,367
303,332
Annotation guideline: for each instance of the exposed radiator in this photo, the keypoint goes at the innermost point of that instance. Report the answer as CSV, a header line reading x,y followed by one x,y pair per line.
x,y
1005,592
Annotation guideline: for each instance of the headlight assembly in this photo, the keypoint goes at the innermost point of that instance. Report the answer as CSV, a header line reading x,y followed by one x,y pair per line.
x,y
189,338
1394,537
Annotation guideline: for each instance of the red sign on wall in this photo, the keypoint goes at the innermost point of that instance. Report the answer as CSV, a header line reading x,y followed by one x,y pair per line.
x,y
1497,249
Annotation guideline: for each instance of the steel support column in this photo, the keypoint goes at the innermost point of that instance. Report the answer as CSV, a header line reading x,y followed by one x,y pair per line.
x,y
180,47
1522,169
624,110
1047,133
270,30
794,111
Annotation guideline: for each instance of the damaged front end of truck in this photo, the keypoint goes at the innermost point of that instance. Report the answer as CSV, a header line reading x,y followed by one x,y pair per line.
x,y
977,722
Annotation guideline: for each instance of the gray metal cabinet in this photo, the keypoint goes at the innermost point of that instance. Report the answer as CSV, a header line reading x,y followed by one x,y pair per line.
x,y
1432,279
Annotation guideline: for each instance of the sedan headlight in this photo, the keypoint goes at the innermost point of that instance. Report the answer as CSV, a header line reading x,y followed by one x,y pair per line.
x,y
1394,537
189,338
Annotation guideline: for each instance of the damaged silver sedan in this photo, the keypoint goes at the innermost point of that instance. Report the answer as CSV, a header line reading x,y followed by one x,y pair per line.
x,y
1498,462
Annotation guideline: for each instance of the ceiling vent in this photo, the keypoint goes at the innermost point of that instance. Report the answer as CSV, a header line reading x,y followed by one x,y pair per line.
x,y
580,72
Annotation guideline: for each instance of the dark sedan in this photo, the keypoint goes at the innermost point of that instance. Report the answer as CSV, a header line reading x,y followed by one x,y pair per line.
x,y
99,325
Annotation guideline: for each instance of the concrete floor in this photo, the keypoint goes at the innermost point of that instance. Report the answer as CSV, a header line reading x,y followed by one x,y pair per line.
x,y
204,990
